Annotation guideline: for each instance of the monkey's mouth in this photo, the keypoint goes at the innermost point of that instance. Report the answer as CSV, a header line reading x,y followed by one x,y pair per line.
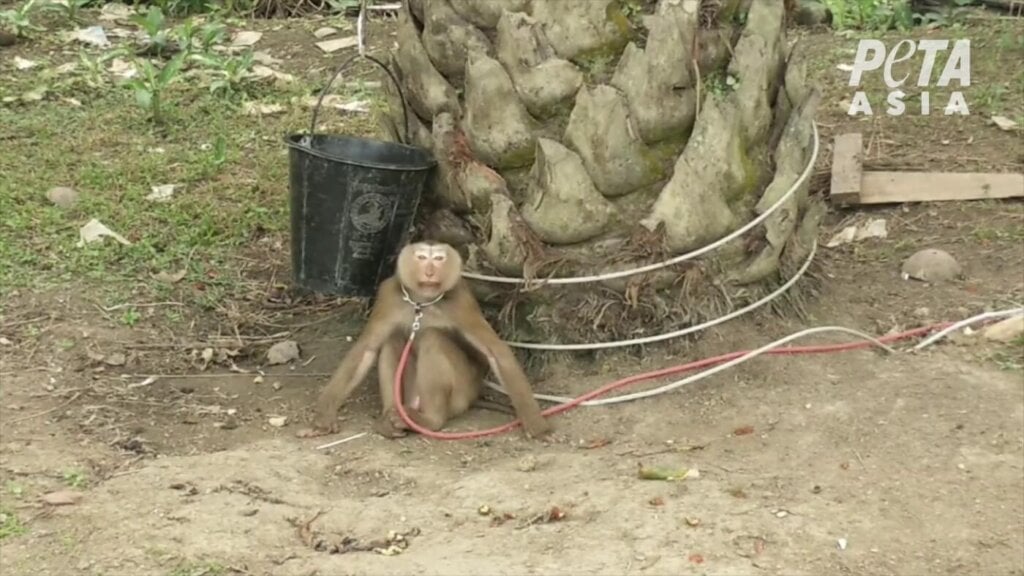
x,y
430,284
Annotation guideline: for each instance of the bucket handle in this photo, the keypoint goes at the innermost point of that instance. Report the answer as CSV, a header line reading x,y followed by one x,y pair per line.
x,y
344,65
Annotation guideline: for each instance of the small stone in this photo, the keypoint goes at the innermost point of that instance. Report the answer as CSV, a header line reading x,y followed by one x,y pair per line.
x,y
283,352
278,421
923,312
841,543
483,510
931,265
527,463
63,197
1006,330
781,514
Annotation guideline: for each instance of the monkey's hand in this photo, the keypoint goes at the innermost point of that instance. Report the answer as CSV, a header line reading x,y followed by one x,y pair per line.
x,y
538,427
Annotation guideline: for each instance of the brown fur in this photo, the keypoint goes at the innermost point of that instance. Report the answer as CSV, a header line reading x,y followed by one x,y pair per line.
x,y
451,354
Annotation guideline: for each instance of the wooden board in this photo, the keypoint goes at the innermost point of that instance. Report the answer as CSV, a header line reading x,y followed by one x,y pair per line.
x,y
894,187
847,168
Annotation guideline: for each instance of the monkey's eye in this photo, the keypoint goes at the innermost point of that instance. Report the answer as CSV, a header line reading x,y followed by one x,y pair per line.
x,y
439,257
421,256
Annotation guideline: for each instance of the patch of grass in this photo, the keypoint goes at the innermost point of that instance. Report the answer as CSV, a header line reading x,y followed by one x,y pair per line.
x,y
75,478
230,172
10,525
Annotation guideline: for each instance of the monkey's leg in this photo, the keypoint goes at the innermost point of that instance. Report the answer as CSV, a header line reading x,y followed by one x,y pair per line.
x,y
447,380
390,424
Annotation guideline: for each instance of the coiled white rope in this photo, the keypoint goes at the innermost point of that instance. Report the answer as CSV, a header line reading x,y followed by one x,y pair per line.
x,y
767,347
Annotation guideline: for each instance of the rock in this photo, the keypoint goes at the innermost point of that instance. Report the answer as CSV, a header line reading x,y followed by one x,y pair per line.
x,y
756,63
711,169
811,13
449,39
62,197
527,463
462,182
428,92
578,27
283,352
791,158
486,13
499,128
931,265
562,205
600,131
542,80
657,80
394,122
1006,330
503,249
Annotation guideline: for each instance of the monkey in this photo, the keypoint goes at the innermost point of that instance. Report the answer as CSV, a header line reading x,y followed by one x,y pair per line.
x,y
452,351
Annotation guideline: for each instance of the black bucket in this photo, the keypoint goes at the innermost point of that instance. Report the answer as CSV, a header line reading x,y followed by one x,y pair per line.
x,y
353,202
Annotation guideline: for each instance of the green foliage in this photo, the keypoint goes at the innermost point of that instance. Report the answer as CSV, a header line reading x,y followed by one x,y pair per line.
x,y
883,15
152,83
871,15
18,20
70,10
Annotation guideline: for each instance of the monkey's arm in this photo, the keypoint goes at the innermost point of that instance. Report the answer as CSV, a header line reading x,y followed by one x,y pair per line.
x,y
478,333
360,358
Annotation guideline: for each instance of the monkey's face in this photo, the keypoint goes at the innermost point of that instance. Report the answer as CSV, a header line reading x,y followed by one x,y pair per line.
x,y
429,269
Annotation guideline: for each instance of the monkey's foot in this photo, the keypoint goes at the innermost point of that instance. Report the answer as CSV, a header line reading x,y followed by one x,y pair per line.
x,y
312,433
390,425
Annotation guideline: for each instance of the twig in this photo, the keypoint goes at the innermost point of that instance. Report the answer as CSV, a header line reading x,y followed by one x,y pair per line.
x,y
342,441
859,459
141,305
45,412
219,375
10,325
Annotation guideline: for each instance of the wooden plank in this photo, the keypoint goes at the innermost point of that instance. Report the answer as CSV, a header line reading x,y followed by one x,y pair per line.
x,y
846,168
895,187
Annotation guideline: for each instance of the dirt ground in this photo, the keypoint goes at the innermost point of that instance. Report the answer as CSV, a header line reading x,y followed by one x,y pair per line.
x,y
914,462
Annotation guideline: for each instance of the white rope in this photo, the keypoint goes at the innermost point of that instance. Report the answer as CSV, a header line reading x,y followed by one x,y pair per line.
x,y
754,353
676,259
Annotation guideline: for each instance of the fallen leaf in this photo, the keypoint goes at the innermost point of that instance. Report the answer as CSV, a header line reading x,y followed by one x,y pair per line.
x,y
338,103
325,32
23,64
666,474
743,431
115,11
246,38
34,95
161,193
696,558
1004,123
261,71
264,58
122,68
599,443
62,497
283,352
330,46
72,101
95,231
170,277
277,421
115,359
93,35
258,109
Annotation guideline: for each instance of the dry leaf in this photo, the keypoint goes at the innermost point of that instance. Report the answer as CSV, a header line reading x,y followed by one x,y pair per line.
x,y
260,71
277,421
330,46
170,277
95,231
1004,123
258,109
62,497
264,58
325,32
246,38
115,359
23,64
162,193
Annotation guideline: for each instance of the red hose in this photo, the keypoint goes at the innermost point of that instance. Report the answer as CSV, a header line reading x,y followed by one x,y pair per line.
x,y
558,409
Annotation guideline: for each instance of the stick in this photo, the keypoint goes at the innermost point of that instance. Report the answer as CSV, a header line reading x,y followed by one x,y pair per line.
x,y
45,412
342,441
